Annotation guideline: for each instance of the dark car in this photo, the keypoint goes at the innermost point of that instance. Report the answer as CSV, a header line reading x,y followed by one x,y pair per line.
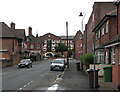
x,y
25,63
57,64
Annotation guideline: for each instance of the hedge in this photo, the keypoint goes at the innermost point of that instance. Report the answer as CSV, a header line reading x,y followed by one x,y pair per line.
x,y
87,59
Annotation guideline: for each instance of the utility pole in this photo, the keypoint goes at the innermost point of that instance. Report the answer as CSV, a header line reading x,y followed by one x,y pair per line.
x,y
67,44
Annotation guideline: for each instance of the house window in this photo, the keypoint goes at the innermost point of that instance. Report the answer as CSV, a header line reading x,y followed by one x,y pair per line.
x,y
100,57
99,34
113,55
48,35
106,57
93,21
96,36
102,31
107,26
44,49
31,46
53,49
38,46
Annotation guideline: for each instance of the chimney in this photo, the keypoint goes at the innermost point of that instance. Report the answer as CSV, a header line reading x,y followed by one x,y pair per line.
x,y
30,30
12,25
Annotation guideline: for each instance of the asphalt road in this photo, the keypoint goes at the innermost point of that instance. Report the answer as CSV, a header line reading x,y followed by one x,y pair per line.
x,y
41,79
37,78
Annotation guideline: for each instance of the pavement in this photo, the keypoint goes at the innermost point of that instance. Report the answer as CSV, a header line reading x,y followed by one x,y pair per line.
x,y
77,80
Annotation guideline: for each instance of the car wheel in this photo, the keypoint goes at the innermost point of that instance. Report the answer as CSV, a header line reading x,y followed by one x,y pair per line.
x,y
31,66
51,69
18,67
28,66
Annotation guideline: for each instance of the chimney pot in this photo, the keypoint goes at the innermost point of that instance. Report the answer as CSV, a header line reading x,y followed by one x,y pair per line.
x,y
12,25
30,30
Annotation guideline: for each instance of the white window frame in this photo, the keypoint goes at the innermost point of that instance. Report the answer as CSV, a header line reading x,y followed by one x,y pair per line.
x,y
31,46
106,57
107,26
102,31
98,33
38,46
113,55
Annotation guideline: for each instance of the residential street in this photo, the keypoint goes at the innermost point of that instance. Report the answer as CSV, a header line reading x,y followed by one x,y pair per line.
x,y
41,78
20,79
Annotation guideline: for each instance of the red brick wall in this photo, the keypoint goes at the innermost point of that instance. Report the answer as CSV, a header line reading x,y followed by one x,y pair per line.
x,y
113,27
116,68
119,19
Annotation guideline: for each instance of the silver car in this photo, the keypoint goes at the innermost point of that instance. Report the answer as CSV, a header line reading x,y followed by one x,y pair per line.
x,y
57,64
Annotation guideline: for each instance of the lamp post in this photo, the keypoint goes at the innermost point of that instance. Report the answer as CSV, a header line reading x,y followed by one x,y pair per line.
x,y
67,44
83,16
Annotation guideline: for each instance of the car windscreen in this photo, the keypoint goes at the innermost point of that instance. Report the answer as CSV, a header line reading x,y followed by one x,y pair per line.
x,y
58,61
24,61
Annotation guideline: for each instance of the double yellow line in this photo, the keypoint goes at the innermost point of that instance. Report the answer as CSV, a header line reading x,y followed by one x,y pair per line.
x,y
59,77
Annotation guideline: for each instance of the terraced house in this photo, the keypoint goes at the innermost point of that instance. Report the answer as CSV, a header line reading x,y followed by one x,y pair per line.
x,y
11,48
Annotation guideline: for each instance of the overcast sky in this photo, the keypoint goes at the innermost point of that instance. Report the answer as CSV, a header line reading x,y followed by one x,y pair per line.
x,y
46,16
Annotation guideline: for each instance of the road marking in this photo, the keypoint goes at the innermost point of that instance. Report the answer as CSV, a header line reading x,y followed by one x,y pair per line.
x,y
20,88
25,86
52,88
28,83
4,73
55,80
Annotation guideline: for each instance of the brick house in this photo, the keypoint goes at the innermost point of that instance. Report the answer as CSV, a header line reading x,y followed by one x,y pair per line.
x,y
104,32
107,42
78,45
51,40
33,46
99,10
113,45
11,50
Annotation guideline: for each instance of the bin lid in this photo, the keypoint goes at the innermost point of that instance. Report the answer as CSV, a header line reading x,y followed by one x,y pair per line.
x,y
92,70
107,67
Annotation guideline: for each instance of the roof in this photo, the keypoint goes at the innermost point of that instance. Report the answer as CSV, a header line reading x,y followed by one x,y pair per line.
x,y
114,12
11,33
113,40
49,34
100,46
110,14
33,39
65,37
6,31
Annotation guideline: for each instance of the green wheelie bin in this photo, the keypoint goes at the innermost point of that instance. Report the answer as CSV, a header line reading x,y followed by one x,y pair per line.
x,y
107,73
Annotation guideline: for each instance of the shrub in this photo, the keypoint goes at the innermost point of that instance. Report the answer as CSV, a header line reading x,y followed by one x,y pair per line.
x,y
87,59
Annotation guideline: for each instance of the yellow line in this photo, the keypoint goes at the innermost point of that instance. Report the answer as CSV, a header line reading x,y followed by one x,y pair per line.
x,y
55,80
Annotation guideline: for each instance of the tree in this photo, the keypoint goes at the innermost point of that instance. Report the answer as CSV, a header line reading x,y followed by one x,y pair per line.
x,y
60,48
69,52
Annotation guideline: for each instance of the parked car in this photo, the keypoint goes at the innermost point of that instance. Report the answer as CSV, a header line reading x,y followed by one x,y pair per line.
x,y
57,64
25,63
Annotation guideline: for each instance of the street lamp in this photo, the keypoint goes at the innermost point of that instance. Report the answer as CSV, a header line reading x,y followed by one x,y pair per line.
x,y
82,14
67,44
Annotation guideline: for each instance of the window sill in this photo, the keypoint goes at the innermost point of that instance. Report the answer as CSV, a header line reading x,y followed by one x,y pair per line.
x,y
113,63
